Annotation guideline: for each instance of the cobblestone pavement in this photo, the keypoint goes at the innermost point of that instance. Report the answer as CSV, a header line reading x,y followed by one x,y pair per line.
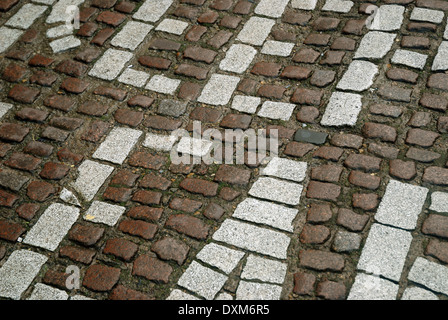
x,y
353,206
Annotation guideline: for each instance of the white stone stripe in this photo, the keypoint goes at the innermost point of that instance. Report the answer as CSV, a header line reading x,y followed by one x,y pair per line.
x,y
25,17
277,190
221,257
7,37
238,58
59,10
266,270
441,60
52,226
109,66
368,287
388,18
152,10
219,89
4,108
358,77
91,176
271,8
430,274
44,292
117,145
132,34
18,272
256,30
258,291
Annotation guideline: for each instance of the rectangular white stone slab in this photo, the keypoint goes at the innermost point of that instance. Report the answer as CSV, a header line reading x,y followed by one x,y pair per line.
x,y
427,15
253,238
134,77
375,45
341,6
441,60
277,48
65,44
342,110
109,66
416,293
91,176
266,270
176,27
256,30
132,34
25,17
277,190
358,77
59,10
401,205
439,202
102,212
286,169
52,226
430,274
368,287
246,104
385,251
388,18
304,4
276,110
152,10
18,272
409,58
203,281
238,58
59,31
221,257
118,145
271,8
7,37
219,89
43,292
267,213
162,84
159,142
258,291
193,146
4,108
177,294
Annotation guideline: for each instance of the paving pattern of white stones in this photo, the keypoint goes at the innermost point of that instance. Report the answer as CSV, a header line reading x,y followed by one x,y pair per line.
x,y
264,239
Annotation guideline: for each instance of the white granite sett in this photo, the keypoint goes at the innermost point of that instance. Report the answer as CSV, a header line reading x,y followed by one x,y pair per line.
x,y
117,145
256,30
266,270
277,190
132,34
64,44
25,17
18,272
358,77
286,169
439,202
410,59
401,205
342,109
304,4
43,292
427,15
195,147
219,89
172,26
341,6
246,104
102,212
59,31
8,36
429,274
276,110
159,142
416,293
368,287
277,48
388,18
375,45
201,280
267,213
224,296
134,77
162,84
258,291
177,294
152,10
238,58
253,238
221,257
109,66
59,10
4,108
69,197
91,176
52,226
441,60
385,251
271,8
